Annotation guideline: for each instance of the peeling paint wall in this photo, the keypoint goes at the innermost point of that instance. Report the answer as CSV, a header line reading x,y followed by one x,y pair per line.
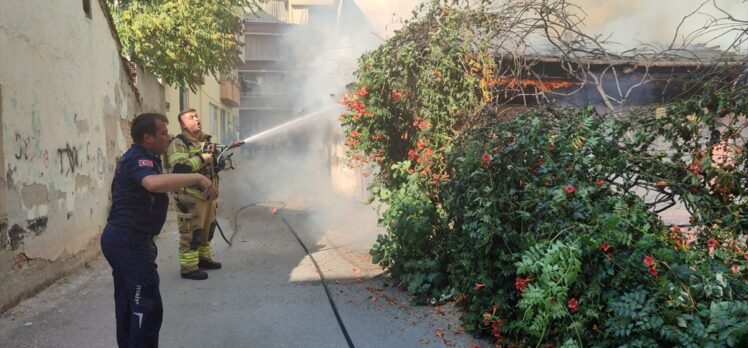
x,y
66,101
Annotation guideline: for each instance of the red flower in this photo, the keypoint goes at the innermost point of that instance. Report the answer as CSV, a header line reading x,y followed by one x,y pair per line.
x,y
572,304
362,92
412,154
735,269
421,144
570,190
479,286
695,167
735,247
745,256
604,247
396,95
712,243
681,243
485,159
649,261
653,271
599,182
521,283
496,328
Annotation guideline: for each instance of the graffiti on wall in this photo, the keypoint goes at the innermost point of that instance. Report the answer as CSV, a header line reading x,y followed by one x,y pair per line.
x,y
68,157
22,147
97,161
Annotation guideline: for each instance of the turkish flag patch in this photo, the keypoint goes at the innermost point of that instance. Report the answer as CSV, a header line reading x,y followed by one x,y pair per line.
x,y
145,163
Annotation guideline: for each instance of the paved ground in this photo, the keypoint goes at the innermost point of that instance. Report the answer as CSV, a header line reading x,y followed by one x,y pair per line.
x,y
269,293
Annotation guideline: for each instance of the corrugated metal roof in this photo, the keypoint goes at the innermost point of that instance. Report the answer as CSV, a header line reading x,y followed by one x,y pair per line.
x,y
272,11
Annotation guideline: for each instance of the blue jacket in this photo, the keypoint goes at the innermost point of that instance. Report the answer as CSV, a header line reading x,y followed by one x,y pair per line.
x,y
133,207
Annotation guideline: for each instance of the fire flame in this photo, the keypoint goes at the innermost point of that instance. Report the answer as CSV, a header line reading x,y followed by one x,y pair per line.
x,y
541,86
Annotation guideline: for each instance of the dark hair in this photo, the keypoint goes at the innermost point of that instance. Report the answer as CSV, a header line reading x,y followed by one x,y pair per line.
x,y
179,117
145,123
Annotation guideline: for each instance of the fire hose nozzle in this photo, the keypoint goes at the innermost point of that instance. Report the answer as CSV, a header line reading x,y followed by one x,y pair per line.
x,y
214,148
236,144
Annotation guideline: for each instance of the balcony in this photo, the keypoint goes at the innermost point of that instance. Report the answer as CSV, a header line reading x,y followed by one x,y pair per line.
x,y
283,66
230,95
304,3
280,101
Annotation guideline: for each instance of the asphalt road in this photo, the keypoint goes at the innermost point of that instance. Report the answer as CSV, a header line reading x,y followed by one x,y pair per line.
x,y
268,294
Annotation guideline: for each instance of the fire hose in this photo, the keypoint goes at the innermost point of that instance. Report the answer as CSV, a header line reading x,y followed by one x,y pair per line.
x,y
219,162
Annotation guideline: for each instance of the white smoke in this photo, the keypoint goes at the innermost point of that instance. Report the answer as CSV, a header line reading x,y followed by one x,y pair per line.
x,y
632,22
628,22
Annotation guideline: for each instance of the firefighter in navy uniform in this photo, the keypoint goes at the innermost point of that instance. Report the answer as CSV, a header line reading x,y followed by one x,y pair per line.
x,y
190,152
138,212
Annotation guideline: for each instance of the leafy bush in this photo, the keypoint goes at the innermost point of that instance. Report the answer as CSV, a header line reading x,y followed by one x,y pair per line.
x,y
546,227
410,246
551,241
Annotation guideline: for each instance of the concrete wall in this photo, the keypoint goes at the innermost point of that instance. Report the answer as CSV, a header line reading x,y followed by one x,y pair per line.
x,y
66,101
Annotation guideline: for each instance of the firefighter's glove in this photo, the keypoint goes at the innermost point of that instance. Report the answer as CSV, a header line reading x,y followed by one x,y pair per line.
x,y
209,148
207,152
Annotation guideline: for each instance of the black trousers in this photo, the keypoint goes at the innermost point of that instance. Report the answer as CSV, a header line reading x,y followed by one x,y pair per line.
x,y
137,299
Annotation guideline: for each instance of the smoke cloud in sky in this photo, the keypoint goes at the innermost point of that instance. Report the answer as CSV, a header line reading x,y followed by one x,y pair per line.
x,y
386,15
645,21
630,22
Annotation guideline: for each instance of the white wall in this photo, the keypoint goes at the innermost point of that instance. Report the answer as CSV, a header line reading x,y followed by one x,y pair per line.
x,y
66,101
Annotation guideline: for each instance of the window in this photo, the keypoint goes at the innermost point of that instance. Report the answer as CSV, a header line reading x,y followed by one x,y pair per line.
x,y
225,136
184,99
87,8
265,83
263,47
213,120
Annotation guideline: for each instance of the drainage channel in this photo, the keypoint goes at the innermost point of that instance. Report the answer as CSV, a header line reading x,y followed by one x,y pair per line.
x,y
306,250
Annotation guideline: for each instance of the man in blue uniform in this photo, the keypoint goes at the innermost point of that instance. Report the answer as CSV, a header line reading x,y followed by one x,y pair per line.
x,y
138,212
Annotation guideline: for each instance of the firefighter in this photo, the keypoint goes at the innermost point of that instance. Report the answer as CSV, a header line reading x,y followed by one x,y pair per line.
x,y
196,216
137,214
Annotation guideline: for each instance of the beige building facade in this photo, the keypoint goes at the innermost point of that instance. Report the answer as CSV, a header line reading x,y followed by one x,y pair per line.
x,y
215,102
